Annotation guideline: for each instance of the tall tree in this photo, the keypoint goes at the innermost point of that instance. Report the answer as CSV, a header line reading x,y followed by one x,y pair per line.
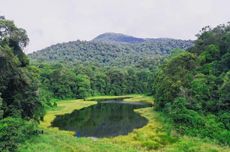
x,y
18,88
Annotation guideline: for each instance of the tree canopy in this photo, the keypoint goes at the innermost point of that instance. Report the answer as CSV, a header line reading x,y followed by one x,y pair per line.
x,y
193,86
17,86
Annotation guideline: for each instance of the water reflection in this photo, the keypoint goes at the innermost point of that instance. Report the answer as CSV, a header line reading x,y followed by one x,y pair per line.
x,y
105,119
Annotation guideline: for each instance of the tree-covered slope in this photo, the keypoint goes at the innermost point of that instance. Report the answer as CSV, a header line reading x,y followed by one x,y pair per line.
x,y
193,87
101,51
117,37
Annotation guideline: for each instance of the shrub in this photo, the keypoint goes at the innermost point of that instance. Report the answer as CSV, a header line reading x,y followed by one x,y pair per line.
x,y
14,131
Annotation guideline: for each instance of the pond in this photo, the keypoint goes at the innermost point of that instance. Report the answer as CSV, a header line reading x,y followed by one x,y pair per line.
x,y
105,119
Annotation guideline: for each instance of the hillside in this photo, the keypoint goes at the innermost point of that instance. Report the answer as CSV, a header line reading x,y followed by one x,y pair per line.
x,y
102,51
193,87
117,37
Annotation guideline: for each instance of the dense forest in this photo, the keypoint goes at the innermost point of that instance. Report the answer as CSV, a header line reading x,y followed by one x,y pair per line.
x,y
191,87
20,106
104,51
60,81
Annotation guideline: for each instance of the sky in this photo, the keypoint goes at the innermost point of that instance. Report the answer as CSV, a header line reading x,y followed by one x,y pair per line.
x,y
49,22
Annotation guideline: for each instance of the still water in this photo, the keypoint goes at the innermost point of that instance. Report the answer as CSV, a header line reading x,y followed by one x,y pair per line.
x,y
105,119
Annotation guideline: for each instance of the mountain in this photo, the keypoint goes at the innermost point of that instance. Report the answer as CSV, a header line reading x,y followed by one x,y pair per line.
x,y
117,37
110,49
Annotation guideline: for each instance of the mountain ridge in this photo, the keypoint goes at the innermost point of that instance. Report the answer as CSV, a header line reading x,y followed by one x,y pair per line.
x,y
110,49
117,37
124,38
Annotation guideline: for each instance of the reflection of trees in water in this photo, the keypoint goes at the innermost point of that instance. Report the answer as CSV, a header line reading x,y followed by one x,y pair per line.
x,y
102,120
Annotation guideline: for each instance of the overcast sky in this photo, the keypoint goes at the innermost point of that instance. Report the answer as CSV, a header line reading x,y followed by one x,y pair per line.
x,y
52,21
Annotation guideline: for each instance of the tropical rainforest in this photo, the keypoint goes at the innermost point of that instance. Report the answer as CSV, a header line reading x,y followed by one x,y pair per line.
x,y
186,85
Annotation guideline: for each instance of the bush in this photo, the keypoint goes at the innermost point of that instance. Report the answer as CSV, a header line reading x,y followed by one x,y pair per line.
x,y
14,131
193,123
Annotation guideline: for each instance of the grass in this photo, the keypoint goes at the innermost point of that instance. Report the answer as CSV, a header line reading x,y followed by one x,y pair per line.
x,y
151,137
128,98
99,98
140,98
157,135
58,141
63,107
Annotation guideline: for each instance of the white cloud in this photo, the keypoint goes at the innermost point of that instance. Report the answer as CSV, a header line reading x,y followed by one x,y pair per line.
x,y
52,21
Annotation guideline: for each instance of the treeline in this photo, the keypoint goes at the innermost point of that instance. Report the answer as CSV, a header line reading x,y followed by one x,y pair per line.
x,y
193,87
80,81
20,107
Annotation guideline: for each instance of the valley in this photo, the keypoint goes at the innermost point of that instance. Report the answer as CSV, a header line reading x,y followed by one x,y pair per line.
x,y
115,93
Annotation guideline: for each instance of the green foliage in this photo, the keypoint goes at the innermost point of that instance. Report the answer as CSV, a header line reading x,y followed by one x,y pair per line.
x,y
193,87
224,92
62,81
14,131
83,86
81,81
173,77
17,85
211,53
14,37
211,127
19,100
1,104
104,53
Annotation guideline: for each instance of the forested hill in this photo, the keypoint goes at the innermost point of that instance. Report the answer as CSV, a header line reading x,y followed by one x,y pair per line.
x,y
117,37
122,38
101,51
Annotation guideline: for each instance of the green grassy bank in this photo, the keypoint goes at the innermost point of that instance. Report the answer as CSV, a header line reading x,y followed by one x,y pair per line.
x,y
157,135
